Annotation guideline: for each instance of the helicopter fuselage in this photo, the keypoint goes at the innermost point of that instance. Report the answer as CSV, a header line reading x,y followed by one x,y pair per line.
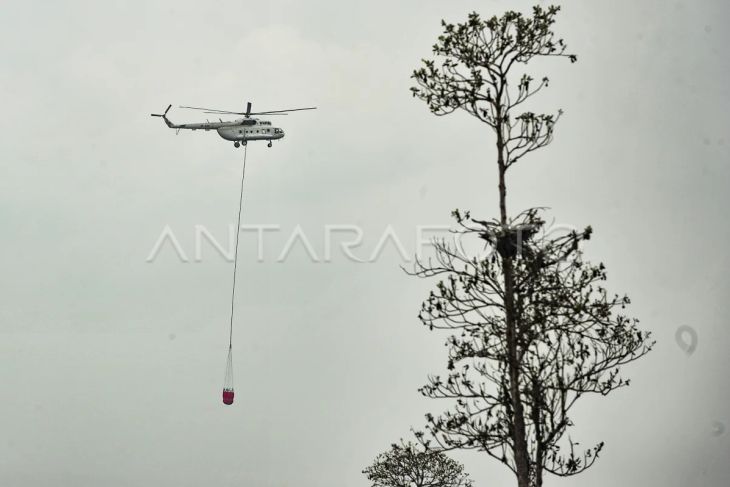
x,y
240,130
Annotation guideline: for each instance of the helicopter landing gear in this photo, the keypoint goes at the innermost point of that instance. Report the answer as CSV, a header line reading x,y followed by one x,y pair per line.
x,y
270,144
236,145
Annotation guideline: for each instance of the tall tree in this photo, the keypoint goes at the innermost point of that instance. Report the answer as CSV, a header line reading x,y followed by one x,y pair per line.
x,y
407,466
536,329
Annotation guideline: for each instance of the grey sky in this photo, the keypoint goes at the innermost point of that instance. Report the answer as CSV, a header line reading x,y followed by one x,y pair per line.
x,y
111,367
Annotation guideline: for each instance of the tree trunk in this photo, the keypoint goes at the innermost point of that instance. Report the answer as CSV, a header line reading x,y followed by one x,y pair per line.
x,y
539,453
522,465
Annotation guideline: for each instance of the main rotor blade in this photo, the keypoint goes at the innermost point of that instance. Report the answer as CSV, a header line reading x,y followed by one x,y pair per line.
x,y
238,113
282,111
247,114
213,110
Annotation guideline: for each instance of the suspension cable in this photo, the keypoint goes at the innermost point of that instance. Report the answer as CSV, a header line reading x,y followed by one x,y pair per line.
x,y
235,254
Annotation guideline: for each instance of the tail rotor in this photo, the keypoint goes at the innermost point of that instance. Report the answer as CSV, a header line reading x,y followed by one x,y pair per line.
x,y
163,115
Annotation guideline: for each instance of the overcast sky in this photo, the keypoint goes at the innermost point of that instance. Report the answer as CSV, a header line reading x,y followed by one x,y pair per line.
x,y
111,366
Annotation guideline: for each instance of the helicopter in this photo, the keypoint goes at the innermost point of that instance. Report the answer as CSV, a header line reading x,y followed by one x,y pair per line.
x,y
239,131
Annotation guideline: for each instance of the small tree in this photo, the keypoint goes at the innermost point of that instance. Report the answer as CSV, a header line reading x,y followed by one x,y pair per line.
x,y
406,466
535,329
